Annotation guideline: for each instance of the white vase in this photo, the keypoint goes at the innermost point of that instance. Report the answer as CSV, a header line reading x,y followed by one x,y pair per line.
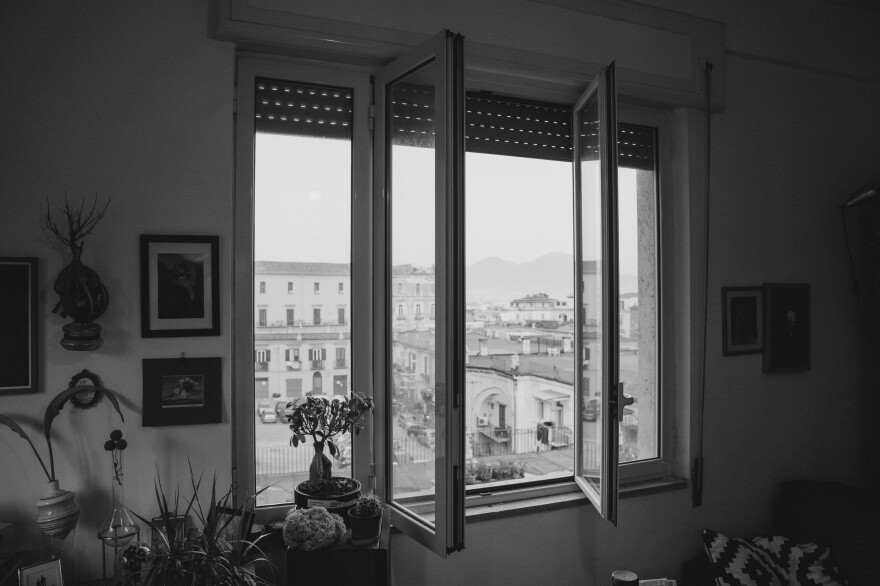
x,y
58,513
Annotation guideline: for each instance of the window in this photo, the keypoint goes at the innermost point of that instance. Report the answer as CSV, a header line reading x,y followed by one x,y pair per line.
x,y
483,421
301,169
262,286
340,315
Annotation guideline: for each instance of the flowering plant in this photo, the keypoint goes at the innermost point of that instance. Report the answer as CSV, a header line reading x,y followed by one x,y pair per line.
x,y
312,528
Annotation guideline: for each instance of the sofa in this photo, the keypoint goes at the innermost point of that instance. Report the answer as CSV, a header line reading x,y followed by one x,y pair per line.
x,y
836,516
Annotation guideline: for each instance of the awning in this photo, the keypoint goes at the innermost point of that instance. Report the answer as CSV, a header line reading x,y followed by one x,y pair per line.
x,y
549,395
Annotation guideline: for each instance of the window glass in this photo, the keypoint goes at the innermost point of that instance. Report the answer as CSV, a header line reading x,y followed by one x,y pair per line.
x,y
302,227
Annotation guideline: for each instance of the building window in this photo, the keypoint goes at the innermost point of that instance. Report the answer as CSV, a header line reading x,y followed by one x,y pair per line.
x,y
261,320
290,287
317,382
340,358
262,286
418,290
290,316
316,316
341,288
317,287
340,315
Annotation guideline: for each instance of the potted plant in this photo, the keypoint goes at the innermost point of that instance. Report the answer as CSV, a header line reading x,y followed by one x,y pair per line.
x,y
217,550
366,519
471,470
322,419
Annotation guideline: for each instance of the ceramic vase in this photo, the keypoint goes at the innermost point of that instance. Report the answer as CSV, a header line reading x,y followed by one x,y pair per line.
x,y
58,513
84,298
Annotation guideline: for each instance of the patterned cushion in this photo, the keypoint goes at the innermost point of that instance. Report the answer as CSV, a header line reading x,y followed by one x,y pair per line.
x,y
769,561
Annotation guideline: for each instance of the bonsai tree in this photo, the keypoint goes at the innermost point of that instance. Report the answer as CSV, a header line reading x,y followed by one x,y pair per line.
x,y
323,419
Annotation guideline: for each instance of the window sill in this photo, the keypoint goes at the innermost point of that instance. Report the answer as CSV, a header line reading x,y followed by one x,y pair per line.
x,y
557,496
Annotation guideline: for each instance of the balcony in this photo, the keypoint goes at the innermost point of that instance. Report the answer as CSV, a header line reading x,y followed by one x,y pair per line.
x,y
261,366
317,365
339,364
294,365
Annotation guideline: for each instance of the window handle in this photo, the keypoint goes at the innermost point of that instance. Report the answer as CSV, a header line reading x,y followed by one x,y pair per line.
x,y
622,401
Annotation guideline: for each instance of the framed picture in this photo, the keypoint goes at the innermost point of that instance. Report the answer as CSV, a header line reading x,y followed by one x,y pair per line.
x,y
786,327
159,540
42,574
741,320
181,391
19,336
180,286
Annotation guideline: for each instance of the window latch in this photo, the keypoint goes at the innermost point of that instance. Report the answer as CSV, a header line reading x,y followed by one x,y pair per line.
x,y
622,401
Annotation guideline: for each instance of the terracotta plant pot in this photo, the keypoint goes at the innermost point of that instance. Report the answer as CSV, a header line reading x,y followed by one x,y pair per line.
x,y
364,530
58,513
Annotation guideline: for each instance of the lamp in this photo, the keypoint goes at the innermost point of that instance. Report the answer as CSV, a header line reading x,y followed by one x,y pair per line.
x,y
862,194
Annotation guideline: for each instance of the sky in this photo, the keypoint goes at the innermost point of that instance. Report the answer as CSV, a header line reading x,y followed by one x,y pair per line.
x,y
516,208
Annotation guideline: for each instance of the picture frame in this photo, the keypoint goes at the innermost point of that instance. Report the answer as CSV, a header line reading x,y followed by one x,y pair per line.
x,y
786,327
181,391
42,574
180,286
157,543
20,334
742,320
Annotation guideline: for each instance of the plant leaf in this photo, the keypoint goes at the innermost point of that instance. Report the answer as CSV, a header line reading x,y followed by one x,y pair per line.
x,y
17,429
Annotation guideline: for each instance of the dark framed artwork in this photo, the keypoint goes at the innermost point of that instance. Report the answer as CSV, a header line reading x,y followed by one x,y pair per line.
x,y
42,574
742,319
786,327
180,286
181,391
19,333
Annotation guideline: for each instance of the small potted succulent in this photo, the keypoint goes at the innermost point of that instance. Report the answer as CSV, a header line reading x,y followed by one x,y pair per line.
x,y
366,519
322,419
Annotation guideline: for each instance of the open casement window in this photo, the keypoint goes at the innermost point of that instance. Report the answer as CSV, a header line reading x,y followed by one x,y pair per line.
x,y
594,136
418,212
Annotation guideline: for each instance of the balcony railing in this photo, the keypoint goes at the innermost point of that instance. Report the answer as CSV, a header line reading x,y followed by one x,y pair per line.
x,y
340,364
261,366
317,365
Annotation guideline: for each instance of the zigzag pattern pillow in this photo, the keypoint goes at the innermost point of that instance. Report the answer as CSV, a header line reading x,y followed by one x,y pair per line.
x,y
769,561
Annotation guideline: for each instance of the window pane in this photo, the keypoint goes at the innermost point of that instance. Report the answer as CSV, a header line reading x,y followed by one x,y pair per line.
x,y
591,248
637,233
411,172
520,300
302,238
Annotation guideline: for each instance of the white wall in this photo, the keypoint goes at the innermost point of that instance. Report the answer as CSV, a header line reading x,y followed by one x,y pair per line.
x,y
134,102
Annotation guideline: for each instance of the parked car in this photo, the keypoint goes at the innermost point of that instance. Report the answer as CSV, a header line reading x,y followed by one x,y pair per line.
x,y
268,416
591,410
263,406
415,429
280,407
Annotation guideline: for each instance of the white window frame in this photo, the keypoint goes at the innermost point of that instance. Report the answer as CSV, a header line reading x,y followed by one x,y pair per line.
x,y
250,67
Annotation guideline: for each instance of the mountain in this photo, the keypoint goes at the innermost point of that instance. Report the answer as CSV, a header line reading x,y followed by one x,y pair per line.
x,y
497,280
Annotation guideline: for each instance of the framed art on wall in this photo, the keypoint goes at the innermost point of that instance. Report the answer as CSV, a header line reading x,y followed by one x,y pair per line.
x,y
42,574
786,327
180,286
19,334
181,391
742,320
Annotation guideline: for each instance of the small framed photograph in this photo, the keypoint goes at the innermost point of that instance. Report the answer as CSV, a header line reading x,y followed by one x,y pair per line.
x,y
159,536
181,391
42,574
786,327
180,286
741,321
19,335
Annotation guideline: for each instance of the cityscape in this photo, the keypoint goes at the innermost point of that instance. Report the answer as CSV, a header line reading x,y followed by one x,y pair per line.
x,y
520,371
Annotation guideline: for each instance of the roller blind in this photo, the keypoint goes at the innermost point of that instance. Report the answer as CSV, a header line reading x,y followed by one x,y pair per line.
x,y
494,124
